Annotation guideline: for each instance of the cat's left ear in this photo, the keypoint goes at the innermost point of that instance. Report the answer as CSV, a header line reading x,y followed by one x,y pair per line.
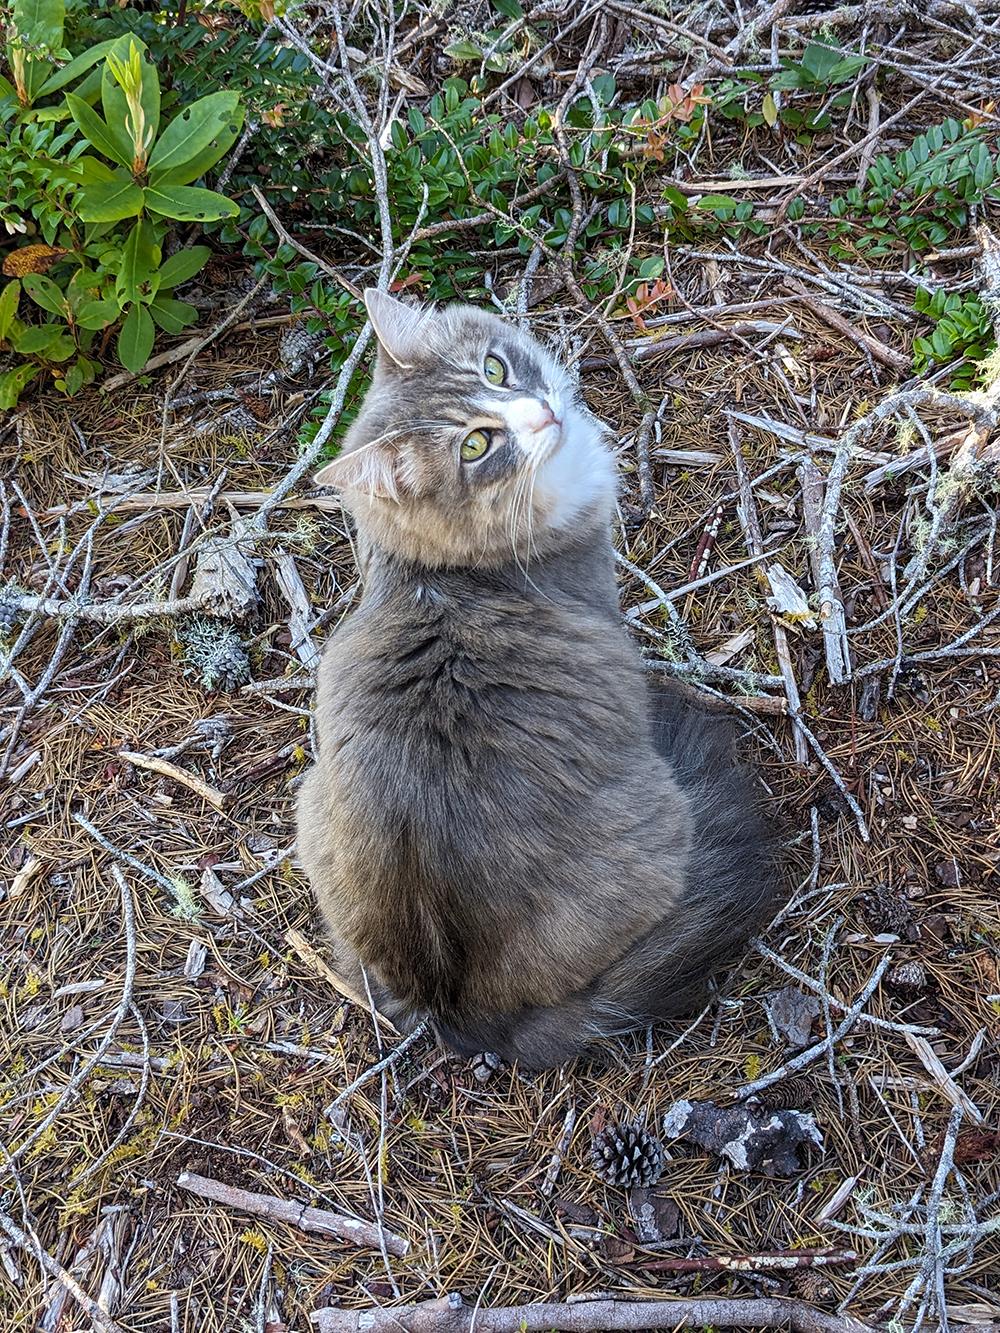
x,y
396,324
374,470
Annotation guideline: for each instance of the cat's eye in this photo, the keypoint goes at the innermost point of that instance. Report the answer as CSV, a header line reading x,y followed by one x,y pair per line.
x,y
474,445
495,370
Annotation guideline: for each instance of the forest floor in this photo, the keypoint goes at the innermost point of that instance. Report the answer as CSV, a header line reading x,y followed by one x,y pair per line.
x,y
167,1008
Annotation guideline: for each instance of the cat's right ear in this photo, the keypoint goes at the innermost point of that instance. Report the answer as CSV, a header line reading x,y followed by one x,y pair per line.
x,y
396,325
373,470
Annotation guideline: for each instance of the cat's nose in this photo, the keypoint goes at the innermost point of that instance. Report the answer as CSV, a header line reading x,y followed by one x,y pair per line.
x,y
546,417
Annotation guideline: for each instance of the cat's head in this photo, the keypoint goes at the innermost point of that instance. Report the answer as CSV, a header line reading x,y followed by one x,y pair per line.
x,y
473,446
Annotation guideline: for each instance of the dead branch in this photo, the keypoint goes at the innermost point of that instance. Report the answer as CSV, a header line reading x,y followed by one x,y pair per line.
x,y
774,1261
754,540
221,800
925,1053
813,1053
452,1315
887,355
30,1244
198,495
319,1221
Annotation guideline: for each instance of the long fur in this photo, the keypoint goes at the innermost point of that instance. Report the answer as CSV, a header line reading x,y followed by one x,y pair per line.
x,y
509,832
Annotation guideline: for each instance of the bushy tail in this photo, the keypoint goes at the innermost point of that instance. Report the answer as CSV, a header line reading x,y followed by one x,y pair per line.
x,y
732,890
733,884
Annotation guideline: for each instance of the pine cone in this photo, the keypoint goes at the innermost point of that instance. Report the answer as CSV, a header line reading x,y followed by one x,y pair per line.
x,y
791,1094
627,1155
887,910
813,1286
908,976
215,653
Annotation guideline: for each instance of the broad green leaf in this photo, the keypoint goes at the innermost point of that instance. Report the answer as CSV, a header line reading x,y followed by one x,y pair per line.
x,y
130,53
173,316
71,72
941,344
97,314
819,61
183,265
9,298
76,378
135,342
44,292
95,131
463,49
207,158
111,201
651,267
38,23
12,384
92,169
37,339
713,201
190,133
60,349
84,285
140,259
769,110
184,203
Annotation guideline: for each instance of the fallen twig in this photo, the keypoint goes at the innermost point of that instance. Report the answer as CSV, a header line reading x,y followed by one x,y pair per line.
x,y
313,959
319,1221
770,1262
924,1052
221,800
814,1053
197,495
30,1244
452,1315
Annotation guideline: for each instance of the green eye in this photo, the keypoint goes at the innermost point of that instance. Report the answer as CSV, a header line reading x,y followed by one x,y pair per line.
x,y
495,370
474,446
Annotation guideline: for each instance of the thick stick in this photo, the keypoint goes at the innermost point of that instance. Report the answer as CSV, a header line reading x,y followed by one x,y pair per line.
x,y
317,1220
452,1315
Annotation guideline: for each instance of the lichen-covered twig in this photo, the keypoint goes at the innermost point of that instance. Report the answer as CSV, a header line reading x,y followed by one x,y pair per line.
x,y
318,1221
452,1315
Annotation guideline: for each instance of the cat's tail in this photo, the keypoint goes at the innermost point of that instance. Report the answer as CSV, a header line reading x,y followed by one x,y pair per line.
x,y
732,890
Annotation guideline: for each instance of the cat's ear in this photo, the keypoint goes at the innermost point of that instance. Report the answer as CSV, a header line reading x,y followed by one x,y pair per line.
x,y
396,325
374,470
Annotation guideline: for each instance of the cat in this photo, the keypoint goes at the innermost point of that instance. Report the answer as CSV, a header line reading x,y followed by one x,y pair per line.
x,y
510,831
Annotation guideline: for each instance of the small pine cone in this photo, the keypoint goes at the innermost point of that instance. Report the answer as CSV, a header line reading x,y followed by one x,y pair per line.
x,y
813,1286
791,1094
886,910
908,976
627,1155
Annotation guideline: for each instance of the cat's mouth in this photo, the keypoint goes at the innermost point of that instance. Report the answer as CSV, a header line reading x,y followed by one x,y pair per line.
x,y
545,441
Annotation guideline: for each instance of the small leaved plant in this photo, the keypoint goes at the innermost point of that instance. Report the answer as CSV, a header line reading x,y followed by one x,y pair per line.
x,y
102,190
963,333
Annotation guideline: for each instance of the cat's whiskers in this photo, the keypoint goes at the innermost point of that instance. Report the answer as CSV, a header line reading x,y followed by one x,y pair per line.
x,y
523,491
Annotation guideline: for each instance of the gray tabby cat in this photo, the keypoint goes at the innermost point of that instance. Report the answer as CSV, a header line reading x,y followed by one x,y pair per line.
x,y
512,833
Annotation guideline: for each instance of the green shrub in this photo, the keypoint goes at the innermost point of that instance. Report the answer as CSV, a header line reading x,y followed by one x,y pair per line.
x,y
102,192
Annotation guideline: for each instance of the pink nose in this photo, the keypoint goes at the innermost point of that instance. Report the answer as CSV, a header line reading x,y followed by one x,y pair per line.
x,y
546,418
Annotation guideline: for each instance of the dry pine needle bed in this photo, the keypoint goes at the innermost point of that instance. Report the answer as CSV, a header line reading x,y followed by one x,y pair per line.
x,y
201,1131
